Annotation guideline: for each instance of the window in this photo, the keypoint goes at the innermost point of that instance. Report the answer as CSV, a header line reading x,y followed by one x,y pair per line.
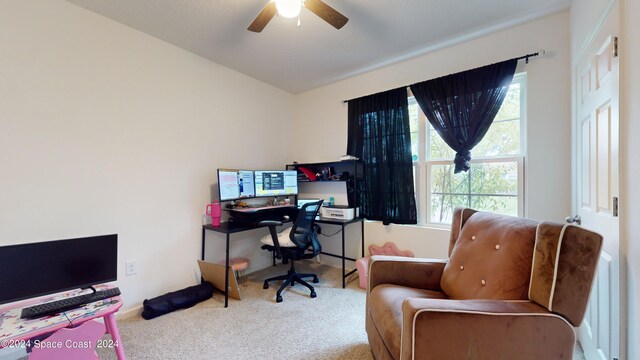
x,y
495,182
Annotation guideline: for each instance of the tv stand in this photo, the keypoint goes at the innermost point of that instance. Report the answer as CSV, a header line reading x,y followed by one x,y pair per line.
x,y
93,290
74,325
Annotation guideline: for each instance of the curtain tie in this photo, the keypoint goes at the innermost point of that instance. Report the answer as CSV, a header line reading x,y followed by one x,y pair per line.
x,y
462,161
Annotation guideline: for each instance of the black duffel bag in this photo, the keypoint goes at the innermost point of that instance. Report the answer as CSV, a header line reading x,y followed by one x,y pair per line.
x,y
176,300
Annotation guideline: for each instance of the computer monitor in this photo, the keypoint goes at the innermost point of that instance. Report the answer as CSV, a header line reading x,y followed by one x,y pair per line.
x,y
276,182
301,202
235,184
35,269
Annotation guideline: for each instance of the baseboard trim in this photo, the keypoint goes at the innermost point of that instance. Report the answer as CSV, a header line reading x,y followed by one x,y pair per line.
x,y
133,312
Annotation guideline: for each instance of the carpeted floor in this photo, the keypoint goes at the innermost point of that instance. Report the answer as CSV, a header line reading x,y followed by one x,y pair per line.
x,y
330,326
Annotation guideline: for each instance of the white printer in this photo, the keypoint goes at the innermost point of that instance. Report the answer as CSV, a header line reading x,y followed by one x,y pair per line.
x,y
338,212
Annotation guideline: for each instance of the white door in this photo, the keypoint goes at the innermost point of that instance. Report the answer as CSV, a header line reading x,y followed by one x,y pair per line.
x,y
596,96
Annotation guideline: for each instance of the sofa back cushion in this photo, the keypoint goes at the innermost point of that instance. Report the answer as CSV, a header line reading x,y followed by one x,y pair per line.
x,y
460,216
491,258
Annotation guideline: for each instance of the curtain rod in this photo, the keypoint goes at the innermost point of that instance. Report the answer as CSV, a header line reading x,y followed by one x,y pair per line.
x,y
540,52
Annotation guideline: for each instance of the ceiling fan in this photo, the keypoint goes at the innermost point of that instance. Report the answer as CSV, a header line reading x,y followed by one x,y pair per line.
x,y
291,9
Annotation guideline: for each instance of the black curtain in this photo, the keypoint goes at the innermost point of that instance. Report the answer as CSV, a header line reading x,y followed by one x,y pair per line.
x,y
379,135
462,106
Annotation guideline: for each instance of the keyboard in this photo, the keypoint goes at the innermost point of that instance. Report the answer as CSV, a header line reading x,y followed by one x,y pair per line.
x,y
62,305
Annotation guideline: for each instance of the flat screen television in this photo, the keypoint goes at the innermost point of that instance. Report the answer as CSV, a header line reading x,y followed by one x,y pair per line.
x,y
276,182
235,184
36,269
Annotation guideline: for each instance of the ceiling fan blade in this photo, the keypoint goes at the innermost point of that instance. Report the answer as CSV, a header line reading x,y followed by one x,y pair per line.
x,y
268,12
326,13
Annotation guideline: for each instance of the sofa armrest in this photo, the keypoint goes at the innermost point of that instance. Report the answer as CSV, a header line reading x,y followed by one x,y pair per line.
x,y
412,272
468,329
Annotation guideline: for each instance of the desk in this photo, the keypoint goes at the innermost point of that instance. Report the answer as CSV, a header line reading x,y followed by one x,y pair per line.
x,y
343,223
15,331
229,228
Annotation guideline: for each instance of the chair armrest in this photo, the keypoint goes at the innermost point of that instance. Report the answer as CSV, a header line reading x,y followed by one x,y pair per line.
x,y
412,272
270,223
483,329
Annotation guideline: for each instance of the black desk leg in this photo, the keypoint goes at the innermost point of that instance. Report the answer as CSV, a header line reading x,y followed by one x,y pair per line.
x,y
344,283
362,236
226,276
202,257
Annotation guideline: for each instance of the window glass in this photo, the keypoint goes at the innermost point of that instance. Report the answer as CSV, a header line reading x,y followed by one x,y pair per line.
x,y
442,207
444,181
438,149
495,179
503,137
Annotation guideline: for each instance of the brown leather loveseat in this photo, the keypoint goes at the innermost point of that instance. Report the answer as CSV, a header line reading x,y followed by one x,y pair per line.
x,y
512,288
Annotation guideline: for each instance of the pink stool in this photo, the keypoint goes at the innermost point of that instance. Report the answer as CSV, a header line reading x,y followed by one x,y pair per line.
x,y
239,265
388,248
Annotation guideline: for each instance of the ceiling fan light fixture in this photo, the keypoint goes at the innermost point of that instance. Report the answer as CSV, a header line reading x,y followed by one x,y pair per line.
x,y
291,9
288,8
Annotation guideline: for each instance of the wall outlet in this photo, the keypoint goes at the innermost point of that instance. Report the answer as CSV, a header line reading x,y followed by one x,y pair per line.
x,y
131,267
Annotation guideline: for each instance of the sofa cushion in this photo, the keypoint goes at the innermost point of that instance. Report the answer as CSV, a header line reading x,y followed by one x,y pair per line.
x,y
491,259
385,309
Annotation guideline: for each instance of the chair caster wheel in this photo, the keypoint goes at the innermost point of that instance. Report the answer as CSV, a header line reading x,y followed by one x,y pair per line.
x,y
265,286
279,299
313,294
316,280
292,283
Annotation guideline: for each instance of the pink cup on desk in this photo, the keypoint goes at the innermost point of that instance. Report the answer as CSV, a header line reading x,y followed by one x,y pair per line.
x,y
215,211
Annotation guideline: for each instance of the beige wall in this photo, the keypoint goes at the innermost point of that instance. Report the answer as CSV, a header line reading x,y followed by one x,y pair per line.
x,y
585,14
104,129
321,115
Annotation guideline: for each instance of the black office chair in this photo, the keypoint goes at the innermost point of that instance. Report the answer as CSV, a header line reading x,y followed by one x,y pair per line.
x,y
305,246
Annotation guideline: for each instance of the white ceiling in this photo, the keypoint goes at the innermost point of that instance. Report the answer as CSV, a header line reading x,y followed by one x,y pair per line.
x,y
379,32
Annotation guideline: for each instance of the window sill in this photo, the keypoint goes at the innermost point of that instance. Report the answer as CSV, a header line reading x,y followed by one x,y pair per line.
x,y
428,226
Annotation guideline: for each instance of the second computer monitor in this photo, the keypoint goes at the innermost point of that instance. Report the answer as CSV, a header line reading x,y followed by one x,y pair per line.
x,y
276,182
235,184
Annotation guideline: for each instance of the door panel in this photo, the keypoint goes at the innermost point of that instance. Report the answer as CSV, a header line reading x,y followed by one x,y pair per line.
x,y
584,180
596,184
603,134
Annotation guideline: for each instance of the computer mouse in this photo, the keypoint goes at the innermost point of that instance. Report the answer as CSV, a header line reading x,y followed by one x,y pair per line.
x,y
286,217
